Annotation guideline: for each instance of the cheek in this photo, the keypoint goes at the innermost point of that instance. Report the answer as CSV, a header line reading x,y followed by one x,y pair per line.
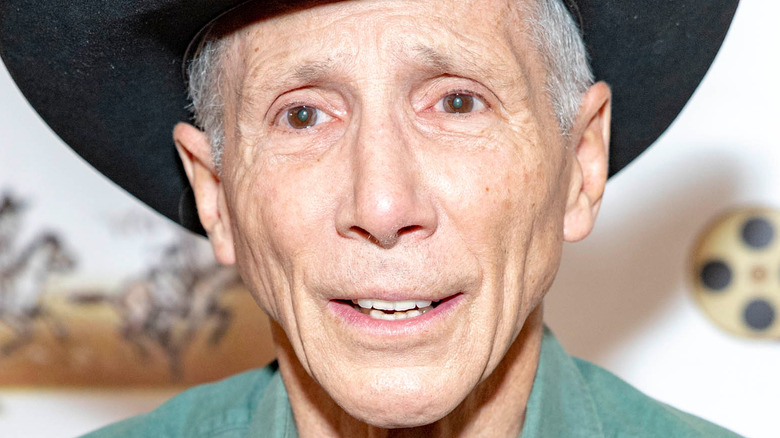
x,y
249,191
252,245
297,202
494,197
276,208
508,207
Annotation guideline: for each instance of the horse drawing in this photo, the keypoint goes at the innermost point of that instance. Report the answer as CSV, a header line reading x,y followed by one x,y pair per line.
x,y
21,287
174,299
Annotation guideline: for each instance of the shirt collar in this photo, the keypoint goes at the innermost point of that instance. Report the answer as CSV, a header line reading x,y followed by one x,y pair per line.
x,y
274,417
560,403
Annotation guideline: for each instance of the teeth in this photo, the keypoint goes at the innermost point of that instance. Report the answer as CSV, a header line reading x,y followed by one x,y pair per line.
x,y
383,305
380,314
422,304
398,306
401,306
392,310
412,313
375,304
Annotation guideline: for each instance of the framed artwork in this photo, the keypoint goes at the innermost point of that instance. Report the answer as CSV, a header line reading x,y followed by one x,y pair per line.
x,y
173,317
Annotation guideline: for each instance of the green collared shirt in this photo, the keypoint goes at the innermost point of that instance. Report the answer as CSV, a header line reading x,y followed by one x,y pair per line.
x,y
570,398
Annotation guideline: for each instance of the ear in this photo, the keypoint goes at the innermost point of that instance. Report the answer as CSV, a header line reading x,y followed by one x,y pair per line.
x,y
590,146
195,152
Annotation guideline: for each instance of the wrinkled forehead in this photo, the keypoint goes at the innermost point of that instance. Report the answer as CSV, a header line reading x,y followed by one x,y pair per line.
x,y
257,11
425,30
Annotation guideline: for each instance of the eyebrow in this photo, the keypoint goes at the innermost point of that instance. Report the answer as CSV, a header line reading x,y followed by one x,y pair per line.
x,y
469,65
427,58
431,57
303,72
439,62
315,71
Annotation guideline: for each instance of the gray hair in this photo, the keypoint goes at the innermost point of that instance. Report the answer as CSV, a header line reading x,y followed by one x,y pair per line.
x,y
558,40
207,103
553,31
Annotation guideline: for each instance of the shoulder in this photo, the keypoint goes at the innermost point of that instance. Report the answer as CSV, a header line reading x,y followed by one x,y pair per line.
x,y
220,409
625,411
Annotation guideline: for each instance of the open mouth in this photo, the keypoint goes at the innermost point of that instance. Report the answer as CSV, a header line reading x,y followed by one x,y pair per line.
x,y
393,310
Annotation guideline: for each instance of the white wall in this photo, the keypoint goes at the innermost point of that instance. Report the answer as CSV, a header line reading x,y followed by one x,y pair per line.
x,y
621,299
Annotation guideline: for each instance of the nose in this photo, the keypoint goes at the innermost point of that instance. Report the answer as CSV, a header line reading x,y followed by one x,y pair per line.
x,y
388,200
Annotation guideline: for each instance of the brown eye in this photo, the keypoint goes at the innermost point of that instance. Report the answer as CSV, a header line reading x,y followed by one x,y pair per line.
x,y
302,117
458,103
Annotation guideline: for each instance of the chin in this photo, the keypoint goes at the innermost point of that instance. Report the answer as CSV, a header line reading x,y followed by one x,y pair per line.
x,y
398,414
400,400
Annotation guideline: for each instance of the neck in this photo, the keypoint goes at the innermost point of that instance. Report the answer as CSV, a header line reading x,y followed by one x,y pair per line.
x,y
496,407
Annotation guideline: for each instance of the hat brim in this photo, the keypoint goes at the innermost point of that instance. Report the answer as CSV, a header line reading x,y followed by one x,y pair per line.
x,y
106,76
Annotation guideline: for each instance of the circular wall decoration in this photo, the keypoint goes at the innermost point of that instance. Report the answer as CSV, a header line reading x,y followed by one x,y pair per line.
x,y
736,272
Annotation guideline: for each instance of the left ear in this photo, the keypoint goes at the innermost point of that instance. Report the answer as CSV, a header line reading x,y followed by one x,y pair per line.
x,y
590,143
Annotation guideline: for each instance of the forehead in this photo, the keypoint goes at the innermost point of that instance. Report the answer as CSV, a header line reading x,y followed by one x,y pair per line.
x,y
488,17
480,38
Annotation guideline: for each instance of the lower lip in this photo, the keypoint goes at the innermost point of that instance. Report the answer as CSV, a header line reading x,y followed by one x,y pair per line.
x,y
363,322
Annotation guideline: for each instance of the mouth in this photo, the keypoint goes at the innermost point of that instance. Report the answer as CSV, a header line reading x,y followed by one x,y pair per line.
x,y
393,310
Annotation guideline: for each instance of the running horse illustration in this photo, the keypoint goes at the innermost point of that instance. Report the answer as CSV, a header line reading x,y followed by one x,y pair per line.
x,y
171,302
22,282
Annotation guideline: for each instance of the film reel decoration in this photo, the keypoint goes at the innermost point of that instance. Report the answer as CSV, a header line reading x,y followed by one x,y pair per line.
x,y
736,272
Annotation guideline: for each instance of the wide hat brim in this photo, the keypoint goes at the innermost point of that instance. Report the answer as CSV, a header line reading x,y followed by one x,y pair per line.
x,y
107,76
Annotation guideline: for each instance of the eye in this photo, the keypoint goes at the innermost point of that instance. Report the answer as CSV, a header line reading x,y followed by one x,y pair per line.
x,y
460,103
302,117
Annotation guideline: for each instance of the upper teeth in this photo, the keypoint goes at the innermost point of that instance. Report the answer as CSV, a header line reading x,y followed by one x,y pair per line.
x,y
399,306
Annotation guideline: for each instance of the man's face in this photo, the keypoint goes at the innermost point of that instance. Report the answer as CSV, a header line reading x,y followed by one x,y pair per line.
x,y
399,151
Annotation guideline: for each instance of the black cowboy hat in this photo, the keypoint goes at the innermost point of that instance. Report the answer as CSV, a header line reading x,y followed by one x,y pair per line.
x,y
107,76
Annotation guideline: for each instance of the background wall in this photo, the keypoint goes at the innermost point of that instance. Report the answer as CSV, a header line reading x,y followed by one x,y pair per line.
x,y
622,298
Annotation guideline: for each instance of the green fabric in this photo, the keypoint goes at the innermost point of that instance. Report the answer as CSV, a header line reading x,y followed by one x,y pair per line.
x,y
570,398
575,398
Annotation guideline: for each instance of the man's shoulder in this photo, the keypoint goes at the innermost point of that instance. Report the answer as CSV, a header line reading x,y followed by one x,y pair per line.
x,y
626,411
221,409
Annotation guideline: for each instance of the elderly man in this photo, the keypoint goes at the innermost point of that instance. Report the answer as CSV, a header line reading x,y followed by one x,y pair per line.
x,y
394,180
